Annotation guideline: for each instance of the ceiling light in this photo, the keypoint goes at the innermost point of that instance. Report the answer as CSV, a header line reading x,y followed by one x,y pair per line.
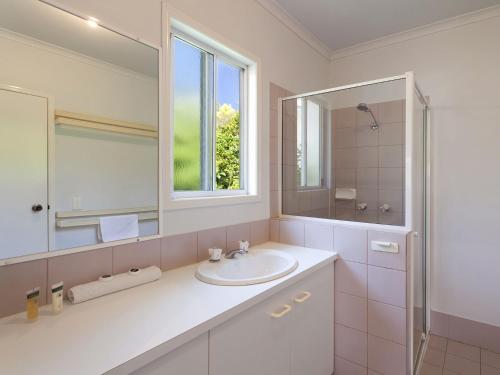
x,y
92,22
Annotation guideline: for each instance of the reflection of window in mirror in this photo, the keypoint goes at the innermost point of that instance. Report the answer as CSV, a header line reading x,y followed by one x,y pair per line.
x,y
309,144
209,124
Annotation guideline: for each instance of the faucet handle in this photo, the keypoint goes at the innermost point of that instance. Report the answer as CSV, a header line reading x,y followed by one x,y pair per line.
x,y
244,245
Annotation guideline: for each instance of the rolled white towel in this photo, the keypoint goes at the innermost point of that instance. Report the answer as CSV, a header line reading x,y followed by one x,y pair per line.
x,y
112,284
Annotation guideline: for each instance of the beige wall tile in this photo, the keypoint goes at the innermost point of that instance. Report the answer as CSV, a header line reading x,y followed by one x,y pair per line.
x,y
179,250
16,280
80,268
136,255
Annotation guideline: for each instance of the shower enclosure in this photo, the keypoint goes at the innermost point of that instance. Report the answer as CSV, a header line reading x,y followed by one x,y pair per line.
x,y
358,153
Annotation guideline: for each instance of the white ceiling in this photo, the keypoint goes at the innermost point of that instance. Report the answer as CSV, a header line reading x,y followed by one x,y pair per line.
x,y
344,23
51,25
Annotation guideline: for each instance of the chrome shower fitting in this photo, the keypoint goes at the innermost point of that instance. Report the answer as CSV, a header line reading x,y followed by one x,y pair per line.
x,y
363,107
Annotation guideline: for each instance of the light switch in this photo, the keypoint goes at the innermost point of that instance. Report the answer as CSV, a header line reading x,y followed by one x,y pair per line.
x,y
386,247
77,203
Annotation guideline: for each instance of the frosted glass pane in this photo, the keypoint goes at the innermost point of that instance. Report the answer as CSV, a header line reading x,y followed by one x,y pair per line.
x,y
188,62
227,136
313,143
300,146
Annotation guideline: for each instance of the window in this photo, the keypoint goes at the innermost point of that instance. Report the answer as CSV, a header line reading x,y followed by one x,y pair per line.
x,y
209,138
309,143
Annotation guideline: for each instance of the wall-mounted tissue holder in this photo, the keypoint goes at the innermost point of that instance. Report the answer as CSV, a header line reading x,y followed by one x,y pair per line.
x,y
345,193
386,247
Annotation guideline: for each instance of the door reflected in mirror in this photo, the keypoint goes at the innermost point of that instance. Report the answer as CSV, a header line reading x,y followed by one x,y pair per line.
x,y
78,132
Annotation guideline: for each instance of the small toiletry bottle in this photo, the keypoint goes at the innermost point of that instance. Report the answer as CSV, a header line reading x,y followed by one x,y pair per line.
x,y
32,304
57,297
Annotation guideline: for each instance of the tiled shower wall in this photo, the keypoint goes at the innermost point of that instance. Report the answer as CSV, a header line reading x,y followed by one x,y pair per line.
x,y
371,298
73,269
371,161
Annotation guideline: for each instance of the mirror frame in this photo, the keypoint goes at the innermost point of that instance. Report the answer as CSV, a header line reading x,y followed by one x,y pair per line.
x,y
161,148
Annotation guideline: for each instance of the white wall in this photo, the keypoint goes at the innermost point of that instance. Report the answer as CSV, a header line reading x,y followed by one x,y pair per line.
x,y
285,59
459,69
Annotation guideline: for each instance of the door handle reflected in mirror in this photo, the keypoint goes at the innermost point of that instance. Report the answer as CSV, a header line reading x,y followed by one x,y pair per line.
x,y
37,207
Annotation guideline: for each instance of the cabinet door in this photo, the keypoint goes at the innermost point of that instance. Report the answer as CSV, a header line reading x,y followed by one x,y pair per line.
x,y
189,359
23,167
254,342
312,351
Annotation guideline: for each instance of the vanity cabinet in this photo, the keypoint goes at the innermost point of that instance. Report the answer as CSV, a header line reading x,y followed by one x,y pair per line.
x,y
289,333
189,359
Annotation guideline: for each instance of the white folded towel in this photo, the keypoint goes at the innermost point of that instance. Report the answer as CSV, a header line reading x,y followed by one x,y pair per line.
x,y
114,228
115,283
345,193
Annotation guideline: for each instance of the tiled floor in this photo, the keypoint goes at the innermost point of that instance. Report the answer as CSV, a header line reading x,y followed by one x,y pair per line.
x,y
448,357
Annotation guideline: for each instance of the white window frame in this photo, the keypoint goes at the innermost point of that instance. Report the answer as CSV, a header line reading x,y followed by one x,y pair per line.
x,y
302,184
218,56
250,120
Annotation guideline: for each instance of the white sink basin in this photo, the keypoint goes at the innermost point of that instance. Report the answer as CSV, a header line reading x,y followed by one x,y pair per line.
x,y
258,266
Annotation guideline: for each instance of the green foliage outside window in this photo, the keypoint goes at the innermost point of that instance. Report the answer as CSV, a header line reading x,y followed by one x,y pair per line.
x,y
227,148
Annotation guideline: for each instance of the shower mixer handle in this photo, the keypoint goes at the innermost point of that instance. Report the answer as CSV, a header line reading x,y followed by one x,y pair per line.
x,y
362,206
385,207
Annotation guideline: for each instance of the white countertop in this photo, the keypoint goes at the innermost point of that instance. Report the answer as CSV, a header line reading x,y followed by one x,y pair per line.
x,y
150,320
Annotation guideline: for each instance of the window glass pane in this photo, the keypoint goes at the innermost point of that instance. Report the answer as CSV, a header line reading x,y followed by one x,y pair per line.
x,y
300,146
192,117
313,143
227,145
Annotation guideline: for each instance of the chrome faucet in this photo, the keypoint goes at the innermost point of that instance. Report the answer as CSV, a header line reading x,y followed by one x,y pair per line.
x,y
243,249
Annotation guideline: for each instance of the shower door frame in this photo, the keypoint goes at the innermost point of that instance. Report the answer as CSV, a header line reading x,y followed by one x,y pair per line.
x,y
412,88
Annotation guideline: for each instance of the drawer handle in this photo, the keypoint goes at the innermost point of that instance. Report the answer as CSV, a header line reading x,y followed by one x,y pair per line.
x,y
285,310
305,296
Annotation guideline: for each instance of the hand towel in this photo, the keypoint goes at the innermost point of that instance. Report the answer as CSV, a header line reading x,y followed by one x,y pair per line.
x,y
121,227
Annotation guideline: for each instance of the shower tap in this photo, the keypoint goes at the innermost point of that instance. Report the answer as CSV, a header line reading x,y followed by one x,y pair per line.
x,y
362,206
385,207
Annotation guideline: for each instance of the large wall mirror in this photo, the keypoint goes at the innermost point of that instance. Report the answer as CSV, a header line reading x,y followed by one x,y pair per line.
x,y
78,132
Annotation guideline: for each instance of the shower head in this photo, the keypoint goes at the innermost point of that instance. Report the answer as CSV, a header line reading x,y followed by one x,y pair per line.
x,y
364,108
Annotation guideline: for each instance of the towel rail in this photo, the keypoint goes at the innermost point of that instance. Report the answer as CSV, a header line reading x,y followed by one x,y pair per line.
x,y
83,218
95,221
114,211
104,124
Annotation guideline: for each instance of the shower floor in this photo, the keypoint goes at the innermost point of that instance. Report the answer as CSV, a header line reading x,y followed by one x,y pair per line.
x,y
448,357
